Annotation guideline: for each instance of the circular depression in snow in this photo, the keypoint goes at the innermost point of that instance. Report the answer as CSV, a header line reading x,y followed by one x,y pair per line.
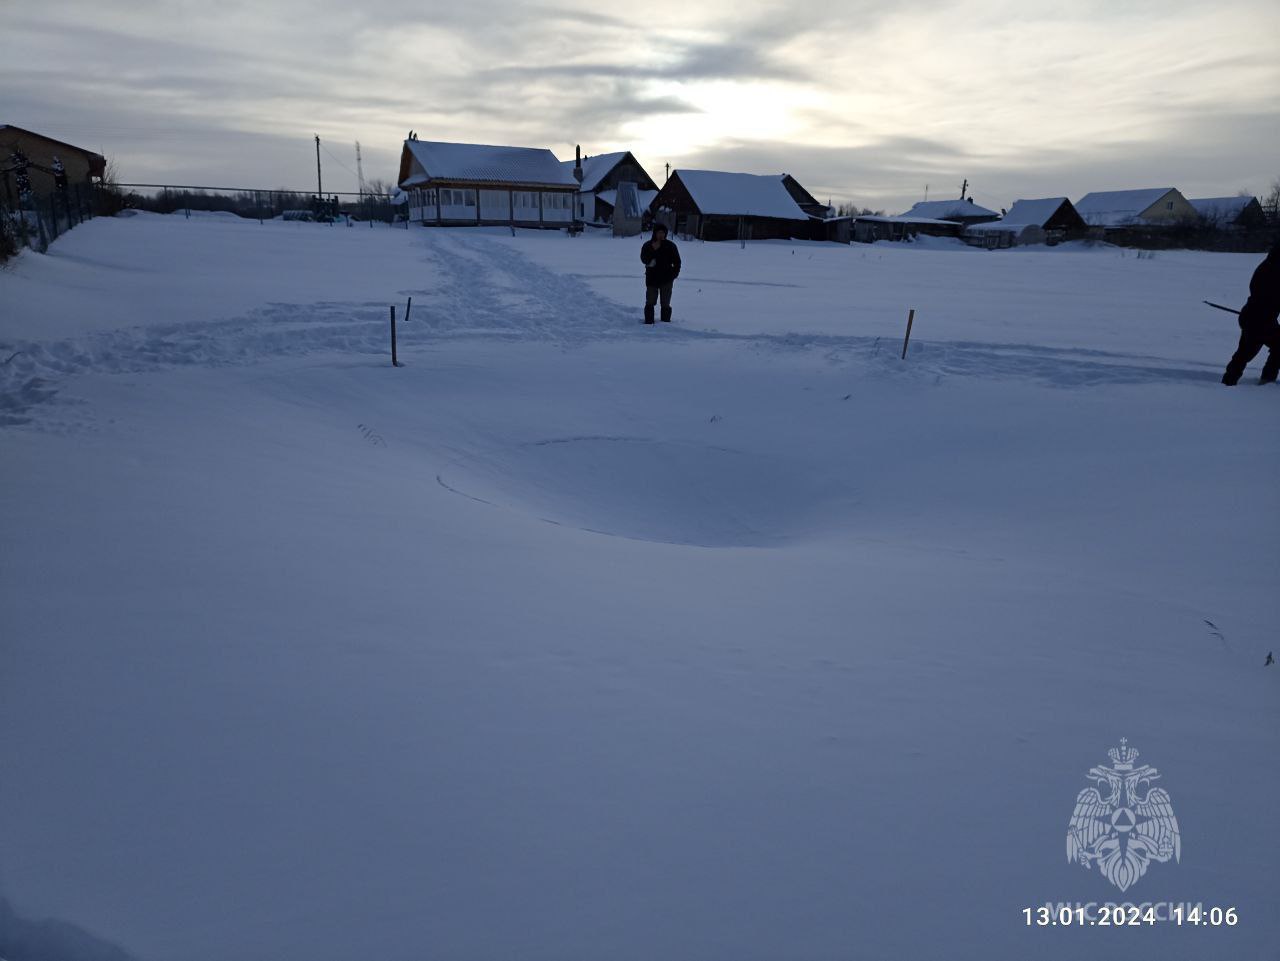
x,y
669,491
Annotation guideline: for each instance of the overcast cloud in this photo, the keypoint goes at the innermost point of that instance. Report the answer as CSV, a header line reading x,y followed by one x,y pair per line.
x,y
868,102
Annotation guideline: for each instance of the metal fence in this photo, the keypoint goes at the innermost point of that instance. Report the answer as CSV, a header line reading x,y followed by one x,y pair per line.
x,y
37,220
257,204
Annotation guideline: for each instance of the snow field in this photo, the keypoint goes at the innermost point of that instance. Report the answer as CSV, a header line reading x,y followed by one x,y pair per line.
x,y
735,638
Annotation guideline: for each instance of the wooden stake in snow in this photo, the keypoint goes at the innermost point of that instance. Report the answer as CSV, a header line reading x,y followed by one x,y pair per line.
x,y
394,362
408,307
911,316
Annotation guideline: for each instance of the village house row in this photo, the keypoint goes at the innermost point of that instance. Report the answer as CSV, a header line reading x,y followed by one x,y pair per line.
x,y
457,184
454,184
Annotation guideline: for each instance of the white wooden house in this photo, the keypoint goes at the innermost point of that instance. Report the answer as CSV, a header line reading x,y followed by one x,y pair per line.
x,y
454,184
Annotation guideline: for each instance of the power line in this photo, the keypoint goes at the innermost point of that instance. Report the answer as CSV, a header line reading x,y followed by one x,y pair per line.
x,y
337,161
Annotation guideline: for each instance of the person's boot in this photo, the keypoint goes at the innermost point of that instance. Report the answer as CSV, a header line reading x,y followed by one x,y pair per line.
x,y
1270,369
666,319
648,314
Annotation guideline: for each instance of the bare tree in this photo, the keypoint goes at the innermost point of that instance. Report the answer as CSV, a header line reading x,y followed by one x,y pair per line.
x,y
1271,203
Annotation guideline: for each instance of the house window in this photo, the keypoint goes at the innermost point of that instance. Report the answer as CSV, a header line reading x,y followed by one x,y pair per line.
x,y
1168,205
453,197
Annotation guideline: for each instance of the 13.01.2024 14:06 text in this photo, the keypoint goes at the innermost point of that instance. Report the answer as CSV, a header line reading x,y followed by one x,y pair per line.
x,y
1129,915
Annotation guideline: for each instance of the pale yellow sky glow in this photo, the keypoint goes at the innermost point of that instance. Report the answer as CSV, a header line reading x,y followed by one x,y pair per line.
x,y
866,102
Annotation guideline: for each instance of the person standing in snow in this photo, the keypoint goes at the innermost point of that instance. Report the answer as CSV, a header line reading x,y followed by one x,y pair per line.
x,y
661,262
1258,326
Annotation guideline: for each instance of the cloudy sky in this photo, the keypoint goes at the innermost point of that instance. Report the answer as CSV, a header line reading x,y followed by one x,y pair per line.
x,y
862,101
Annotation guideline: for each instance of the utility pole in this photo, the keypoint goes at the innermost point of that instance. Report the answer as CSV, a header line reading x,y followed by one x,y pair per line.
x,y
668,177
319,188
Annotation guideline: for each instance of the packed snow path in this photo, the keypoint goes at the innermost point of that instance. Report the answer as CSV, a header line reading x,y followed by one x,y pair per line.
x,y
480,286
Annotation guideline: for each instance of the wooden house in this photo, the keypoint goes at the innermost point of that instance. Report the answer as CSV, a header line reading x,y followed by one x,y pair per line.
x,y
455,184
80,165
715,205
962,211
1049,220
1230,213
598,183
805,200
868,228
1107,210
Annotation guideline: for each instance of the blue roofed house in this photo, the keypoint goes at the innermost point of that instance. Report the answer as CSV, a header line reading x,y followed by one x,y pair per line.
x,y
456,184
1048,220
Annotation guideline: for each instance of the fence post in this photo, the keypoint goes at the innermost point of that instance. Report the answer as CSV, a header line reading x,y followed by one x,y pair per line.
x,y
40,232
394,362
911,316
53,217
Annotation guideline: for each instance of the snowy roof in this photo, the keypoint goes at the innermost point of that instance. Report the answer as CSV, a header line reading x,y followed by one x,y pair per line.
x,y
1110,208
948,209
1023,214
486,163
742,195
904,219
610,197
1223,208
594,169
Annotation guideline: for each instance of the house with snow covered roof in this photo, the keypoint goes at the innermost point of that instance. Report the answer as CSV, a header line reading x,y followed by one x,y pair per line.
x,y
598,185
1046,220
961,211
453,184
805,200
1147,207
718,205
1230,213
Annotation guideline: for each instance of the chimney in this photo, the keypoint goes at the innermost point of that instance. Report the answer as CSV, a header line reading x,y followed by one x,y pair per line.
x,y
577,163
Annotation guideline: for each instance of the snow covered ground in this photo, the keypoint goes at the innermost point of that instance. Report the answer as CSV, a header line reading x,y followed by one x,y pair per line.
x,y
738,638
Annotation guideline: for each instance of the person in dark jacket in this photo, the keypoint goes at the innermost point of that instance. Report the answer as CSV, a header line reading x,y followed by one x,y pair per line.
x,y
661,267
1258,326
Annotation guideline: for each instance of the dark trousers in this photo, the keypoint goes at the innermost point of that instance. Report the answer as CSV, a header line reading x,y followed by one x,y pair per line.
x,y
651,295
1252,339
